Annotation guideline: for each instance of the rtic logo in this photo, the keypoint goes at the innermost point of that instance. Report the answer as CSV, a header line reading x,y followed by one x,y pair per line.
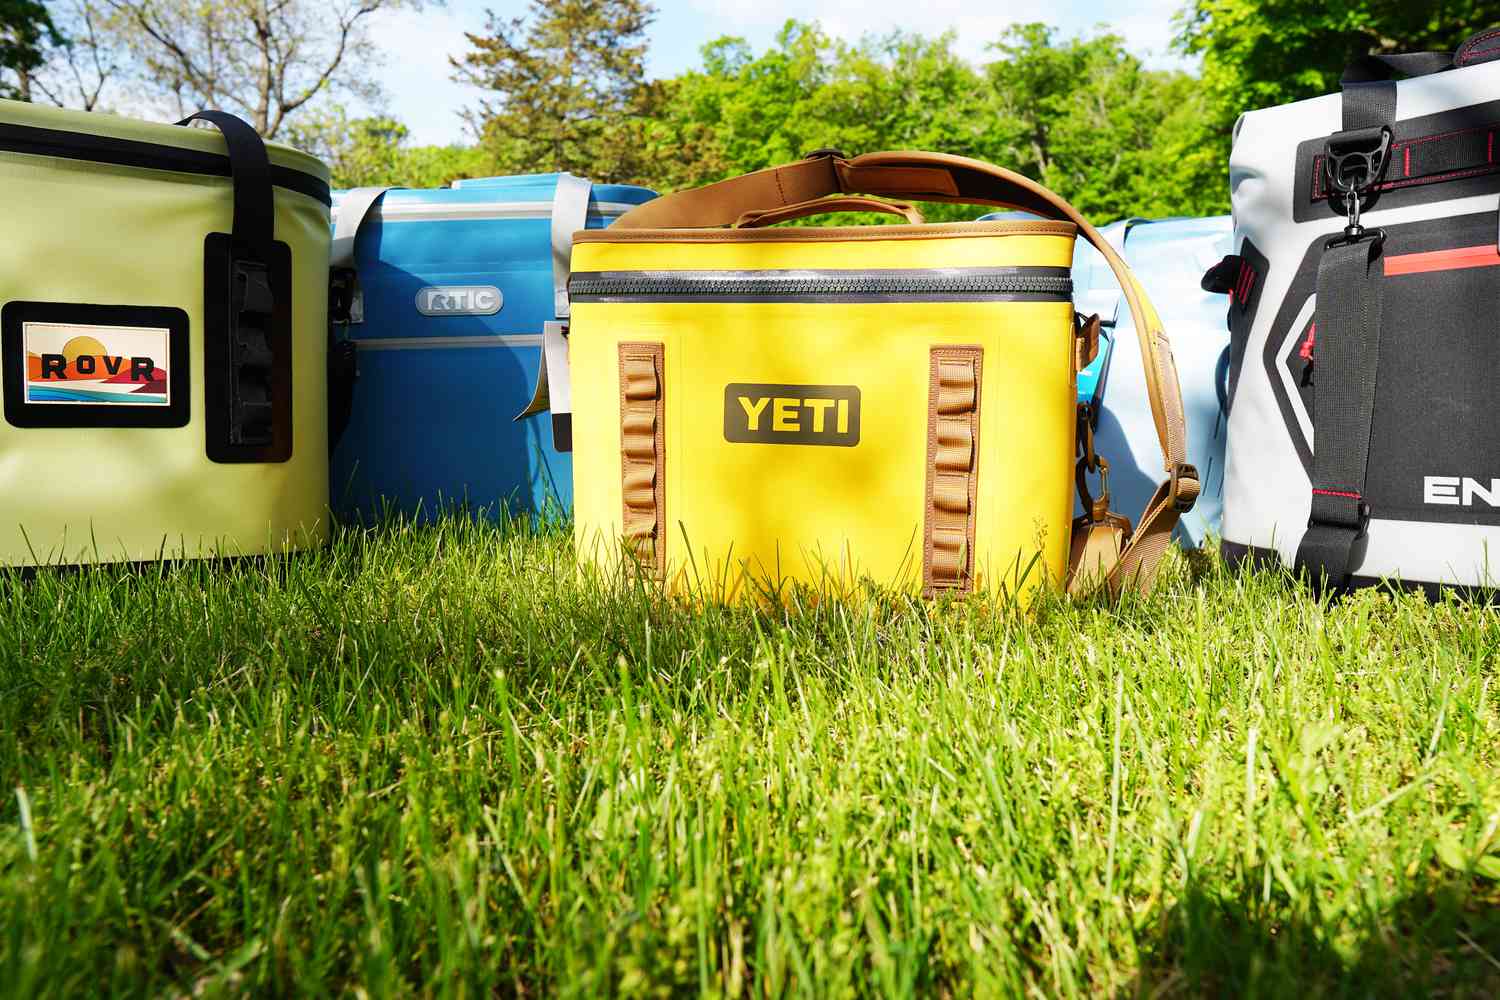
x,y
1453,491
460,300
791,414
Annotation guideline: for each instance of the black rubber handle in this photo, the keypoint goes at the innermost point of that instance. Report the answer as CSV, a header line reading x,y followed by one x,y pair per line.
x,y
250,169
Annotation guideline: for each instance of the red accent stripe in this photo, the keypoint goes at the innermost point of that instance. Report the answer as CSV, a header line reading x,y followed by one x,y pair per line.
x,y
1308,342
1443,260
1338,493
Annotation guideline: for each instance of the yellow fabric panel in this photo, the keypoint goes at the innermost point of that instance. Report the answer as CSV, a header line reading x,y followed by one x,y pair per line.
x,y
756,512
963,251
91,233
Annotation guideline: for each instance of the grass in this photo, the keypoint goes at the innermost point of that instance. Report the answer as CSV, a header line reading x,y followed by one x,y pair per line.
x,y
436,761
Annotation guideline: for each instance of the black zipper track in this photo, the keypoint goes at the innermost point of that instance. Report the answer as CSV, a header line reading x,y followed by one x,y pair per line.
x,y
1021,284
144,155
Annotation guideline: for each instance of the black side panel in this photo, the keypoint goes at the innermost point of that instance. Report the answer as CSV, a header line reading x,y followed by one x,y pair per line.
x,y
1478,174
247,353
1439,370
145,365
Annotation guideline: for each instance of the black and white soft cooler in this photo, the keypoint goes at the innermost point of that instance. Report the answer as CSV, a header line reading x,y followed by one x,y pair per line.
x,y
1365,349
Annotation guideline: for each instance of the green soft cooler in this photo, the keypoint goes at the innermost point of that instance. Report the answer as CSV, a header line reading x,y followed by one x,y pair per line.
x,y
163,340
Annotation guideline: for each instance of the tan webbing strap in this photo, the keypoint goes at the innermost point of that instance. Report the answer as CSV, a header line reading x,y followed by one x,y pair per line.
x,y
642,453
954,377
940,177
822,206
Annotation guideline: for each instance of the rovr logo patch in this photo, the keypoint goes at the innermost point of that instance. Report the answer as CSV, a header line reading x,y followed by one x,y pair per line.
x,y
755,413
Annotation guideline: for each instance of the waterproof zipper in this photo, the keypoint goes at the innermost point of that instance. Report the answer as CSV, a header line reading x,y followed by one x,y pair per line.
x,y
35,141
1002,284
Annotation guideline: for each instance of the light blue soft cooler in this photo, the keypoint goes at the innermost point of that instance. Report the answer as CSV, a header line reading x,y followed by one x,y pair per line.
x,y
1169,257
456,287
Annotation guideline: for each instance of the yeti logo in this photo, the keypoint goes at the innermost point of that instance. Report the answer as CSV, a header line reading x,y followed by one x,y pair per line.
x,y
1453,491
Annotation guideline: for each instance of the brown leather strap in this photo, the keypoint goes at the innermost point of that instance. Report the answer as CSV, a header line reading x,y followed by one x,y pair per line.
x,y
822,206
943,178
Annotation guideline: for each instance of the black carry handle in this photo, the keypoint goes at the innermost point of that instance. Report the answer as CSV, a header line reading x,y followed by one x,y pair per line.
x,y
247,300
250,168
1481,48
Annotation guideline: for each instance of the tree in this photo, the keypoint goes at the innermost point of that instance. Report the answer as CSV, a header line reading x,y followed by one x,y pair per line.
x,y
1259,53
263,59
26,30
78,71
1084,117
570,85
374,151
742,112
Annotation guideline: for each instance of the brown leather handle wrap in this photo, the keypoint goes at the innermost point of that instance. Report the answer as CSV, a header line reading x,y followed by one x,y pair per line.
x,y
954,377
642,462
822,206
940,177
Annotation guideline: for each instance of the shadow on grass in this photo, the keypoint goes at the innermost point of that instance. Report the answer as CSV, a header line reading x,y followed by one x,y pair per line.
x,y
1442,941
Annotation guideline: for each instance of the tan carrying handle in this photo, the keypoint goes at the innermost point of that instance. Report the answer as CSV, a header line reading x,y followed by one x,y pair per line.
x,y
957,179
822,206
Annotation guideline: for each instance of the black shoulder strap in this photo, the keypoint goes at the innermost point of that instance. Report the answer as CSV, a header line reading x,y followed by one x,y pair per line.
x,y
1349,307
1366,69
1480,48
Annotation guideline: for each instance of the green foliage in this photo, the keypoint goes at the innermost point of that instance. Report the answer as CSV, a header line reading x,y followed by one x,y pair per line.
x,y
1080,115
570,87
1260,53
439,762
374,151
1086,119
26,31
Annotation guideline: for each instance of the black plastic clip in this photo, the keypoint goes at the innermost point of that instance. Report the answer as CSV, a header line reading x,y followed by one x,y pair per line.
x,y
1355,160
343,284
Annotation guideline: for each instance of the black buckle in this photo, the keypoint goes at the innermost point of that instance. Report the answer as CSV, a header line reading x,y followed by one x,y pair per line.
x,y
254,296
341,287
1355,160
1362,515
826,152
1184,471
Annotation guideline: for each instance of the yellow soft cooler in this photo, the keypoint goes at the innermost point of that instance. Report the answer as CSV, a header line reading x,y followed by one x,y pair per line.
x,y
163,305
756,406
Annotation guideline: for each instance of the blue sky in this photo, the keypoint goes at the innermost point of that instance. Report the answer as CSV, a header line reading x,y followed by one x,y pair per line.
x,y
417,44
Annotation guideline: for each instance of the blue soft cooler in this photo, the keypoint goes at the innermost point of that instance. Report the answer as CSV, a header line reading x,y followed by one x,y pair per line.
x,y
1169,257
441,373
